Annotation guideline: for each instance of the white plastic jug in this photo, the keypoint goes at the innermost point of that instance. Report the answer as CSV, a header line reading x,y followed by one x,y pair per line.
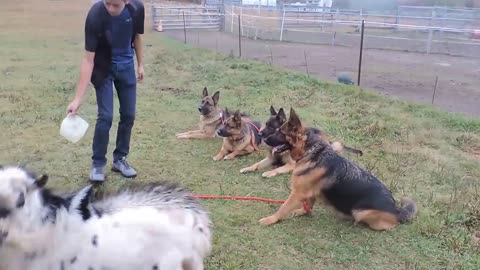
x,y
73,128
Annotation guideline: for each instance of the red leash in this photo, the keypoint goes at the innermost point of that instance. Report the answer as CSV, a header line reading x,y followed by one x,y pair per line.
x,y
306,207
238,198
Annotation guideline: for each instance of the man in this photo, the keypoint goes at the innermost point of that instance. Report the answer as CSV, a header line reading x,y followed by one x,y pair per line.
x,y
113,35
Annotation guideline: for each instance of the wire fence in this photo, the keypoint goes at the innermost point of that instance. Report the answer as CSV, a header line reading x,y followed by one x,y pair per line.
x,y
322,28
261,34
273,24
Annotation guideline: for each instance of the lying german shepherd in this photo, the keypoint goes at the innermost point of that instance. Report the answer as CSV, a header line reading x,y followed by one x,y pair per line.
x,y
211,117
321,173
283,161
240,136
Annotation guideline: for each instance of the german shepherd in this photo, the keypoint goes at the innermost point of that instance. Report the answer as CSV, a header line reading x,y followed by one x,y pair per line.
x,y
240,136
283,161
321,173
211,117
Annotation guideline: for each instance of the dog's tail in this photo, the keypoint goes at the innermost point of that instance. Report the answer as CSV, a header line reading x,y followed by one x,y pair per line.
x,y
407,210
339,147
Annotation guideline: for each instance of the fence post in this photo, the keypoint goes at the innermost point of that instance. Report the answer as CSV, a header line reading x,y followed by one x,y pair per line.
x,y
435,89
152,11
184,28
222,16
430,32
239,36
429,40
241,13
361,53
306,63
231,21
283,22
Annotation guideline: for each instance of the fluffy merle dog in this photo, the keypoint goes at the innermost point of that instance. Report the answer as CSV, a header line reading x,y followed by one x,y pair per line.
x,y
149,226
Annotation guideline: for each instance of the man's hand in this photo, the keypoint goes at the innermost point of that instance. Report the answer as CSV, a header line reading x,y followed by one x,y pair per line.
x,y
140,72
85,73
73,107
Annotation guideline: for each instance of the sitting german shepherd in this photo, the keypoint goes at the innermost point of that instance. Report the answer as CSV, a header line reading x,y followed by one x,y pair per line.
x,y
283,161
240,136
211,117
321,173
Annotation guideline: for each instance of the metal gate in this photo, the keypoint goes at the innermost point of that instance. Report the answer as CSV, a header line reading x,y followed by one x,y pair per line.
x,y
174,18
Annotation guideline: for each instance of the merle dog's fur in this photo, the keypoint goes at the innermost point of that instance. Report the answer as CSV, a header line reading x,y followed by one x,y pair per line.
x,y
162,221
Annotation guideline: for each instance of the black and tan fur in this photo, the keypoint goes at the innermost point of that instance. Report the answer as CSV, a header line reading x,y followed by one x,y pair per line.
x,y
283,162
240,136
211,117
323,174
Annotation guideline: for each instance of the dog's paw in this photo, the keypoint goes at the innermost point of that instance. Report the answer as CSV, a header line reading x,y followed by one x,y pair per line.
x,y
269,174
268,220
217,158
247,169
228,157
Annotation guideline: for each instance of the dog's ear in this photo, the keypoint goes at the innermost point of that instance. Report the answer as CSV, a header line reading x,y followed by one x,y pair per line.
x,y
205,92
81,200
41,181
227,113
294,122
272,111
281,116
216,97
237,117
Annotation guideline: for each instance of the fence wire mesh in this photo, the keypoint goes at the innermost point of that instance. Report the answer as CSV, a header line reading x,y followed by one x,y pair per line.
x,y
399,59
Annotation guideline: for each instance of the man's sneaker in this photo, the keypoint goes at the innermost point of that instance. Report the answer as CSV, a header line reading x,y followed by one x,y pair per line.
x,y
124,168
97,174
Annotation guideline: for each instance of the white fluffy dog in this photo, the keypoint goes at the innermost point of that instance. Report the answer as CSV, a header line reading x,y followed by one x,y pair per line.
x,y
151,226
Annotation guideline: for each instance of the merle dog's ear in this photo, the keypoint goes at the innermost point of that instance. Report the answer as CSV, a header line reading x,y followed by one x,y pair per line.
x,y
41,181
272,111
227,113
216,97
281,116
80,201
205,92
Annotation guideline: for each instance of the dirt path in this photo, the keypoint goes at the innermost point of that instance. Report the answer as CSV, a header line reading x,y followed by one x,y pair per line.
x,y
410,76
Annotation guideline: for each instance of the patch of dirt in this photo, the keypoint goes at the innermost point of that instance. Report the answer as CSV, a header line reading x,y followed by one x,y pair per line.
x,y
408,75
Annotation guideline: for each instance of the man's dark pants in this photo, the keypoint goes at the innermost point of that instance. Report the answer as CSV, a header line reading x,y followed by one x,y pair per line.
x,y
123,77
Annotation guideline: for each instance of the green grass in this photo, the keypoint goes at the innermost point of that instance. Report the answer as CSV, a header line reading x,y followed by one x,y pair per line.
x,y
417,151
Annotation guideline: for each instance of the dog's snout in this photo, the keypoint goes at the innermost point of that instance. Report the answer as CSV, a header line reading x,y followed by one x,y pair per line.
x,y
4,212
200,109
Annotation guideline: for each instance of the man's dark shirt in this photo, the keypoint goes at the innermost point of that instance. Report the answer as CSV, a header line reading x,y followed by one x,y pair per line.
x,y
99,35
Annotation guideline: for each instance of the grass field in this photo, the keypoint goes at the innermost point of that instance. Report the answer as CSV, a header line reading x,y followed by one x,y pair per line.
x,y
417,151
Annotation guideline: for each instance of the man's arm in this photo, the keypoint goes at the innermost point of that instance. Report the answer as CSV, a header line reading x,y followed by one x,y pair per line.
x,y
86,67
138,43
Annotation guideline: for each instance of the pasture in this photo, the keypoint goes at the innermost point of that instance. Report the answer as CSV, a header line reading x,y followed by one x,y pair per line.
x,y
416,150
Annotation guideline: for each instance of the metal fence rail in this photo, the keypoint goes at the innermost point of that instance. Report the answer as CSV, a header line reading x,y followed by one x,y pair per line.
x,y
324,28
175,18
